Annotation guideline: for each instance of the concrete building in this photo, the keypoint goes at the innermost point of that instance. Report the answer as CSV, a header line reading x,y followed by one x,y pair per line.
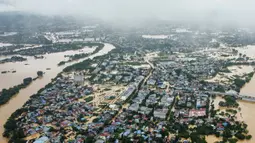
x,y
43,139
133,107
160,113
79,78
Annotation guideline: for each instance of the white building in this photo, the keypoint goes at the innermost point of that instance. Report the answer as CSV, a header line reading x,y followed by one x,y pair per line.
x,y
133,107
160,113
79,78
43,139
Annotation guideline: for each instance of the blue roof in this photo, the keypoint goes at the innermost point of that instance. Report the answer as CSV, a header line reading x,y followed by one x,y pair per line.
x,y
42,140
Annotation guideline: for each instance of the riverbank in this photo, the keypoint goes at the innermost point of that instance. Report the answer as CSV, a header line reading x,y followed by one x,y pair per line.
x,y
226,77
24,94
51,48
31,66
17,102
13,59
247,108
245,114
7,94
81,56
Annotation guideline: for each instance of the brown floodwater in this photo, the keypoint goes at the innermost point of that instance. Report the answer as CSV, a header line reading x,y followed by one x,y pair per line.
x,y
247,108
247,114
23,71
30,67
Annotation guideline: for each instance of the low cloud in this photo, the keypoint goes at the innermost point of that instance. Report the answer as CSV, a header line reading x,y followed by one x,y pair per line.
x,y
222,11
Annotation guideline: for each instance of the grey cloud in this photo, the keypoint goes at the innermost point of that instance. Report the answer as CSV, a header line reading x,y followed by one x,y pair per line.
x,y
238,11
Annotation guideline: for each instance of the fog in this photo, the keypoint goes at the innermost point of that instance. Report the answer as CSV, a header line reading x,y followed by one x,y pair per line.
x,y
218,11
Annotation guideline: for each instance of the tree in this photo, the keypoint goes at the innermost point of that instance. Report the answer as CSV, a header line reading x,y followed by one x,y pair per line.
x,y
18,134
165,133
239,82
233,140
27,80
89,139
219,88
196,138
184,135
248,137
227,133
245,126
240,136
10,124
178,71
39,73
217,134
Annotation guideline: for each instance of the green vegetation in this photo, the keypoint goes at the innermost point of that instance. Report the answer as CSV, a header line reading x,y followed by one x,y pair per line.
x,y
7,94
240,136
248,76
61,63
239,82
52,48
225,70
15,136
132,63
230,101
189,76
231,111
248,137
100,46
88,99
13,59
162,54
10,126
219,88
238,63
178,71
39,73
79,66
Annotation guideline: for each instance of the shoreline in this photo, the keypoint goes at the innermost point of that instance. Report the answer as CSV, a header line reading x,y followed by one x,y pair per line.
x,y
7,109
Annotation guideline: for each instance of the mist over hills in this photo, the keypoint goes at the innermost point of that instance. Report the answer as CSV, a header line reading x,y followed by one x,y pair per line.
x,y
139,13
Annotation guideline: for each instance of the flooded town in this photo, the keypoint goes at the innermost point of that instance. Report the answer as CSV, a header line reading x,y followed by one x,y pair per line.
x,y
68,81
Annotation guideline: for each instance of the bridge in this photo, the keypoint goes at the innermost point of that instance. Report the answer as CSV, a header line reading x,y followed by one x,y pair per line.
x,y
246,98
238,96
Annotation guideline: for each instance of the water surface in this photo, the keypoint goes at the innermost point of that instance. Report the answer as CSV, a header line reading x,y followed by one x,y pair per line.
x,y
30,70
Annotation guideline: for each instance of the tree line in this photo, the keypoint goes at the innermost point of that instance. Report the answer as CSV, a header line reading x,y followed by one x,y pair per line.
x,y
7,94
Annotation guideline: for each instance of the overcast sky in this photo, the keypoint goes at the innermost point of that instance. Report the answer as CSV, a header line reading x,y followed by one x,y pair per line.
x,y
237,11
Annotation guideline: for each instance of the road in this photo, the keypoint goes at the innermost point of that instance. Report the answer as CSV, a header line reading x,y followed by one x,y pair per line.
x,y
137,90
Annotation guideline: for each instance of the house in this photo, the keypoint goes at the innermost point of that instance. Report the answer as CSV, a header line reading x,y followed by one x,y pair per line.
x,y
144,110
201,103
43,139
100,141
151,100
162,85
197,113
151,82
160,113
184,113
114,106
125,94
138,99
166,100
133,107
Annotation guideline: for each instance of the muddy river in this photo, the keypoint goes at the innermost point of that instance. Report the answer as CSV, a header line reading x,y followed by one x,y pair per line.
x,y
29,69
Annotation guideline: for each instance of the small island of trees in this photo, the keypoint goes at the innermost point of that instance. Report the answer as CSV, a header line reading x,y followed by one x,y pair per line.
x,y
13,59
99,47
40,73
7,94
